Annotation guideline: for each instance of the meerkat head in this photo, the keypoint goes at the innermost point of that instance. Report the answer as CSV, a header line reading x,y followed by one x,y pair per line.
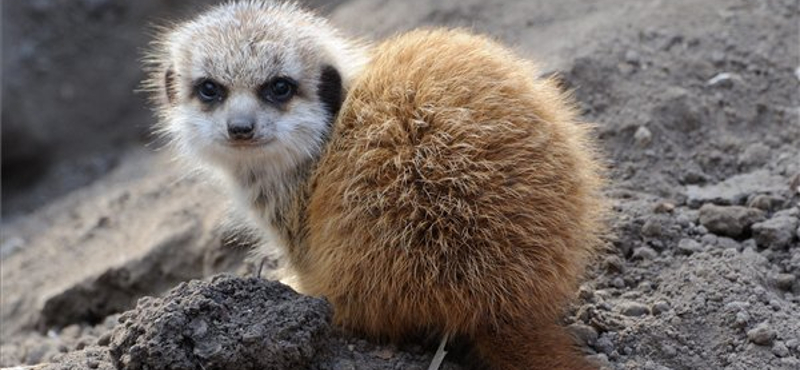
x,y
250,84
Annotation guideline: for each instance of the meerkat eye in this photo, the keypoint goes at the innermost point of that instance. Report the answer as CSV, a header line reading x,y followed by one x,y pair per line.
x,y
279,90
209,91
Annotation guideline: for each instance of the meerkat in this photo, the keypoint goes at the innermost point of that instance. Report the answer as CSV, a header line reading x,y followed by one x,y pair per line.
x,y
429,185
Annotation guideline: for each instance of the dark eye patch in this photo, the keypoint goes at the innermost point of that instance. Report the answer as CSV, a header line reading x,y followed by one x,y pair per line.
x,y
330,91
209,91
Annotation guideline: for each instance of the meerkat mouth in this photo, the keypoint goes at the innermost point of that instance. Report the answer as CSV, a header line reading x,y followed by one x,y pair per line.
x,y
246,144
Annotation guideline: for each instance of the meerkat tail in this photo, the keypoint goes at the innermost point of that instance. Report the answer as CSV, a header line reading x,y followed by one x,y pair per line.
x,y
546,345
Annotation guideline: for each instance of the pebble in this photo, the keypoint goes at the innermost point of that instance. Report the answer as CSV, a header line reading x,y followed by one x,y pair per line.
x,y
765,202
664,207
742,319
586,335
644,253
755,155
660,307
643,137
762,334
652,227
632,57
732,221
775,233
618,283
604,345
601,360
727,243
689,246
631,308
780,349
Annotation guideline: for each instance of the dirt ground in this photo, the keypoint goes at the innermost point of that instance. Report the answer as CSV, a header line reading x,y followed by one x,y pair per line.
x,y
697,106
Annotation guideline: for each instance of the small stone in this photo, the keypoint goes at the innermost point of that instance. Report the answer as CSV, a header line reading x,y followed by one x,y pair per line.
x,y
765,202
742,319
632,57
585,334
785,281
643,137
631,308
601,360
727,243
732,221
762,334
689,246
664,207
618,283
644,253
754,156
652,227
775,233
604,345
660,307
780,349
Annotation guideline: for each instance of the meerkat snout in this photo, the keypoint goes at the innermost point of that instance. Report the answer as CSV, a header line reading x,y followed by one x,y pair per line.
x,y
241,128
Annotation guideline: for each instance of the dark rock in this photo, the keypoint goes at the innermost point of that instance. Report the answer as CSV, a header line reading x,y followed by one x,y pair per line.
x,y
633,309
732,221
206,325
775,233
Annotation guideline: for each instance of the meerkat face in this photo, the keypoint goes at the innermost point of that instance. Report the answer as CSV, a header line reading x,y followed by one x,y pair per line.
x,y
250,84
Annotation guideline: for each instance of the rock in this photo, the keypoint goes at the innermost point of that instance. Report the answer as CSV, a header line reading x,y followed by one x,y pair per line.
x,y
585,334
664,207
785,281
728,243
652,228
741,320
604,345
631,308
762,334
660,307
689,246
731,221
735,189
644,253
288,329
780,349
643,136
765,202
754,156
775,233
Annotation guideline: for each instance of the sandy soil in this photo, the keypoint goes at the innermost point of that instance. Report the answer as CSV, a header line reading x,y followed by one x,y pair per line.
x,y
697,108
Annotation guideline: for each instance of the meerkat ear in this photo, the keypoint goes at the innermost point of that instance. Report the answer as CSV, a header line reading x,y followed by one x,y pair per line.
x,y
330,90
169,85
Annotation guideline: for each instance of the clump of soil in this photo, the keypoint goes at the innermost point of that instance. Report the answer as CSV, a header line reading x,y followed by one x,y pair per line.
x,y
236,323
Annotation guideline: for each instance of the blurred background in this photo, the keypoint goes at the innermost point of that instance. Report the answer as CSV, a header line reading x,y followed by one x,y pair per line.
x,y
69,107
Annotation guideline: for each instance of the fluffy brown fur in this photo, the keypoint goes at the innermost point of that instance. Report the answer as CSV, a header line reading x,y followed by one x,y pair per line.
x,y
458,194
455,193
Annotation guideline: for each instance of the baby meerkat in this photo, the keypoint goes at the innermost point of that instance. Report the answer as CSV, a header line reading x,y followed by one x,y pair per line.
x,y
453,193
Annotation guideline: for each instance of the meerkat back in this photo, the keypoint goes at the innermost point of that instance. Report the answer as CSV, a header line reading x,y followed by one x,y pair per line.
x,y
457,195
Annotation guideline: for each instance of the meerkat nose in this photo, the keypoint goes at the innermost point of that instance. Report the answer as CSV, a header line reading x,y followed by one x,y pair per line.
x,y
241,128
